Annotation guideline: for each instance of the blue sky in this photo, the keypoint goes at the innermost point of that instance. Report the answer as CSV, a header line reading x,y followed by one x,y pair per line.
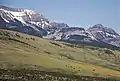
x,y
82,13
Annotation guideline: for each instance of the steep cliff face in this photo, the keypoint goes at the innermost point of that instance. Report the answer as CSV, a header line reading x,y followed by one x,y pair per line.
x,y
33,23
23,20
105,34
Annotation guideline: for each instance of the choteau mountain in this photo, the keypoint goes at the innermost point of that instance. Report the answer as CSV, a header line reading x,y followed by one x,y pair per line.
x,y
33,23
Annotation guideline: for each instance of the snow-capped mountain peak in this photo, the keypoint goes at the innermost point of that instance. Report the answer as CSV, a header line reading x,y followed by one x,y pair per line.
x,y
105,34
101,32
31,22
23,20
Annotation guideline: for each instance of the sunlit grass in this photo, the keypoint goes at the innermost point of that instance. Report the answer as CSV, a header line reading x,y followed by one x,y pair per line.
x,y
25,51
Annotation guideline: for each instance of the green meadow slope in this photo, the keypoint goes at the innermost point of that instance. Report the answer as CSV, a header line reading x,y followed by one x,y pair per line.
x,y
18,51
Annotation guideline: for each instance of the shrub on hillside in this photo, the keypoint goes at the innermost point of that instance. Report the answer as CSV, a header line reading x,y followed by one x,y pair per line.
x,y
108,52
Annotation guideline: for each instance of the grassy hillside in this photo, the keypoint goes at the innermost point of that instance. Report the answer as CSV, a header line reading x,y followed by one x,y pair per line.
x,y
18,51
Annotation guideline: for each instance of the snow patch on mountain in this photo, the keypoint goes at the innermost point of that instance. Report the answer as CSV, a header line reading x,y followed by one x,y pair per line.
x,y
33,23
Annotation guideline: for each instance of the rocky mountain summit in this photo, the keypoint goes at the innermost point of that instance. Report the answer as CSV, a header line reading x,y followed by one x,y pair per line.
x,y
33,23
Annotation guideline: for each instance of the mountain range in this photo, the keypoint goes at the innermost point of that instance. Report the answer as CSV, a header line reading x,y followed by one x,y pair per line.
x,y
32,48
31,22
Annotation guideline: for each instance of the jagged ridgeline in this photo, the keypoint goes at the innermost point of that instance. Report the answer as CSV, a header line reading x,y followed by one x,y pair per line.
x,y
31,22
71,54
